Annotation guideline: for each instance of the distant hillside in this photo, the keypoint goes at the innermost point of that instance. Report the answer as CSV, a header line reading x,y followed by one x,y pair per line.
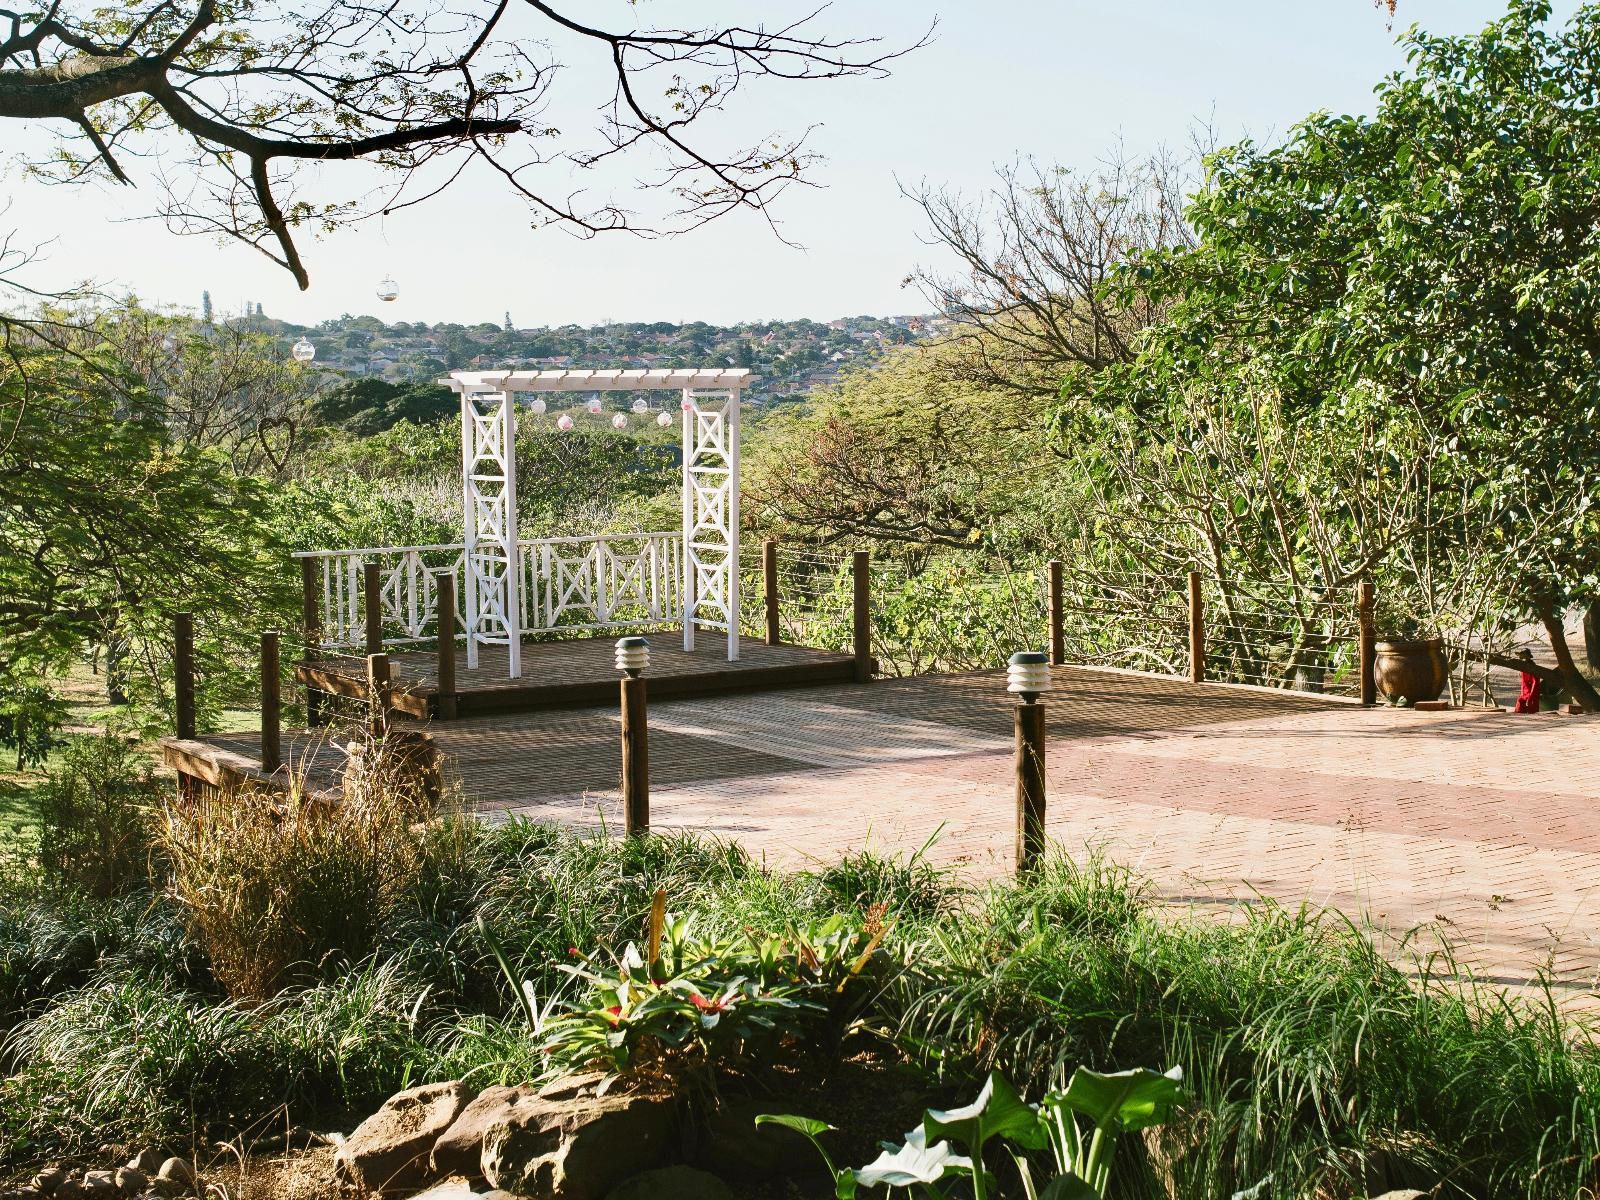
x,y
790,358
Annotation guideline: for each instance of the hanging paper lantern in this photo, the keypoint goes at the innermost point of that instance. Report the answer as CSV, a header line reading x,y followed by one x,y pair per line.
x,y
388,289
619,422
536,406
641,405
664,420
563,422
594,407
688,404
303,350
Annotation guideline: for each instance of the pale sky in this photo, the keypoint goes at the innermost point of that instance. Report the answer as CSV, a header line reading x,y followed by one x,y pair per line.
x,y
1059,80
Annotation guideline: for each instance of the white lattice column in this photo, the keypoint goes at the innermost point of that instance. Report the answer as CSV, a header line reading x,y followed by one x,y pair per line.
x,y
489,523
711,514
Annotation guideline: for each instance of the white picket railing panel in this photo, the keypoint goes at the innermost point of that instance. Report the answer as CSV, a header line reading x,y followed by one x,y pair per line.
x,y
576,584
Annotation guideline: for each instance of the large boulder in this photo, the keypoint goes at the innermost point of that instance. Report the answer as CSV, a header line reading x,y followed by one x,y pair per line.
x,y
576,1147
673,1183
459,1150
390,1151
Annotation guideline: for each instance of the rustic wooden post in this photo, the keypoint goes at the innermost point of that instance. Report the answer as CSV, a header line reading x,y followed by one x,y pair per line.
x,y
1367,644
271,714
444,587
183,672
372,595
1197,631
1030,785
635,758
861,572
1058,635
311,634
769,585
1028,678
377,694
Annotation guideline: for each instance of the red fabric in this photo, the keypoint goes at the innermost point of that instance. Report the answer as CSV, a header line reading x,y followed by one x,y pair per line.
x,y
1528,700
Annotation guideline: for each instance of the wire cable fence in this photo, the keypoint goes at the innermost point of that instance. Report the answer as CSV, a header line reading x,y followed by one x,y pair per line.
x,y
959,613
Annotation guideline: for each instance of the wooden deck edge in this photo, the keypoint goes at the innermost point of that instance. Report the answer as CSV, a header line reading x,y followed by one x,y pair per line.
x,y
412,704
593,694
217,766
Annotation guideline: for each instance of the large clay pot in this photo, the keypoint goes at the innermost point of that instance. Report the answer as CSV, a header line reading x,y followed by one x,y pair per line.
x,y
1410,671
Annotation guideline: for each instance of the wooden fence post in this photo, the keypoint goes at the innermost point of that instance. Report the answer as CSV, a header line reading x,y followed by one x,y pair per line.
x,y
1058,635
311,634
861,572
1197,631
1029,765
377,694
635,758
444,587
271,713
769,584
1367,644
183,672
372,597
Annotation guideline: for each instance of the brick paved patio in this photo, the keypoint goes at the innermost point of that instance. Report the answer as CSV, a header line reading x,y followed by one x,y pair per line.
x,y
1481,826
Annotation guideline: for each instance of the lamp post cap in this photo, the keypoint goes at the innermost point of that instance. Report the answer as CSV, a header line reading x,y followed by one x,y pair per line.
x,y
630,643
1028,658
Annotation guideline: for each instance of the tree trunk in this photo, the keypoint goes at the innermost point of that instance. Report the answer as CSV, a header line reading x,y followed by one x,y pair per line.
x,y
1591,634
1572,679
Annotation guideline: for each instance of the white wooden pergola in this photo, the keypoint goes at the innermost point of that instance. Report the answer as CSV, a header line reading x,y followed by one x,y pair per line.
x,y
496,571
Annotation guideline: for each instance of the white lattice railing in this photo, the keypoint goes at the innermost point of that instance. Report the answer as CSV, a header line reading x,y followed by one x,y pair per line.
x,y
577,584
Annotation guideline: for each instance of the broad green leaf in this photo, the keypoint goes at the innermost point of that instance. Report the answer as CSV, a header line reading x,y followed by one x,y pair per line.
x,y
809,1126
1123,1100
998,1111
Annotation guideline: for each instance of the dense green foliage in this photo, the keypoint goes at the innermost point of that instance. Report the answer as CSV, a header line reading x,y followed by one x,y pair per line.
x,y
1311,1062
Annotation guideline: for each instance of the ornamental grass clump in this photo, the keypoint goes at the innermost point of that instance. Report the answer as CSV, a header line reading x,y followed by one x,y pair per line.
x,y
279,888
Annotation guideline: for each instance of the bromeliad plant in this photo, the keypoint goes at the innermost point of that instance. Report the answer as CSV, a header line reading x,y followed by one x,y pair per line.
x,y
948,1147
699,1002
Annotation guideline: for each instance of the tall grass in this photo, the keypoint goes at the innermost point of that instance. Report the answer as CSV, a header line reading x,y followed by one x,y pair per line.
x,y
1318,1066
278,888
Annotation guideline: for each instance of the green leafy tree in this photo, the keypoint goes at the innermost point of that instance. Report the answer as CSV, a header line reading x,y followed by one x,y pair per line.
x,y
1423,276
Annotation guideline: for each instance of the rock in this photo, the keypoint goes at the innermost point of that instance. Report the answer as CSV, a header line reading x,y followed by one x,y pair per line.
x,y
178,1171
459,1150
734,1145
447,1191
576,1149
148,1161
672,1183
99,1183
130,1180
390,1150
1403,1194
49,1180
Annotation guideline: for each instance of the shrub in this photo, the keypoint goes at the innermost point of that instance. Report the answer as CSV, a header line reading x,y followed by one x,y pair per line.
x,y
96,816
278,888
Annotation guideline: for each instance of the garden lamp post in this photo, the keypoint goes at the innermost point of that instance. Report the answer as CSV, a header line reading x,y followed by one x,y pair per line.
x,y
1028,677
632,658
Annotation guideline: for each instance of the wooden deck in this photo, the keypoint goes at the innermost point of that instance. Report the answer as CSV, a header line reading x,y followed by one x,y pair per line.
x,y
1480,828
579,672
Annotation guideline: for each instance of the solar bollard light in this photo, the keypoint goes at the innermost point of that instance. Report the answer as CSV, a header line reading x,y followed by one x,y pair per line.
x,y
1028,677
632,659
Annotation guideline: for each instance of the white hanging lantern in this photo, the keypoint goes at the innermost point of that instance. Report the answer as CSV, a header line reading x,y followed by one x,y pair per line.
x,y
594,407
632,656
536,406
388,289
664,420
1028,674
619,421
564,423
303,350
641,405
